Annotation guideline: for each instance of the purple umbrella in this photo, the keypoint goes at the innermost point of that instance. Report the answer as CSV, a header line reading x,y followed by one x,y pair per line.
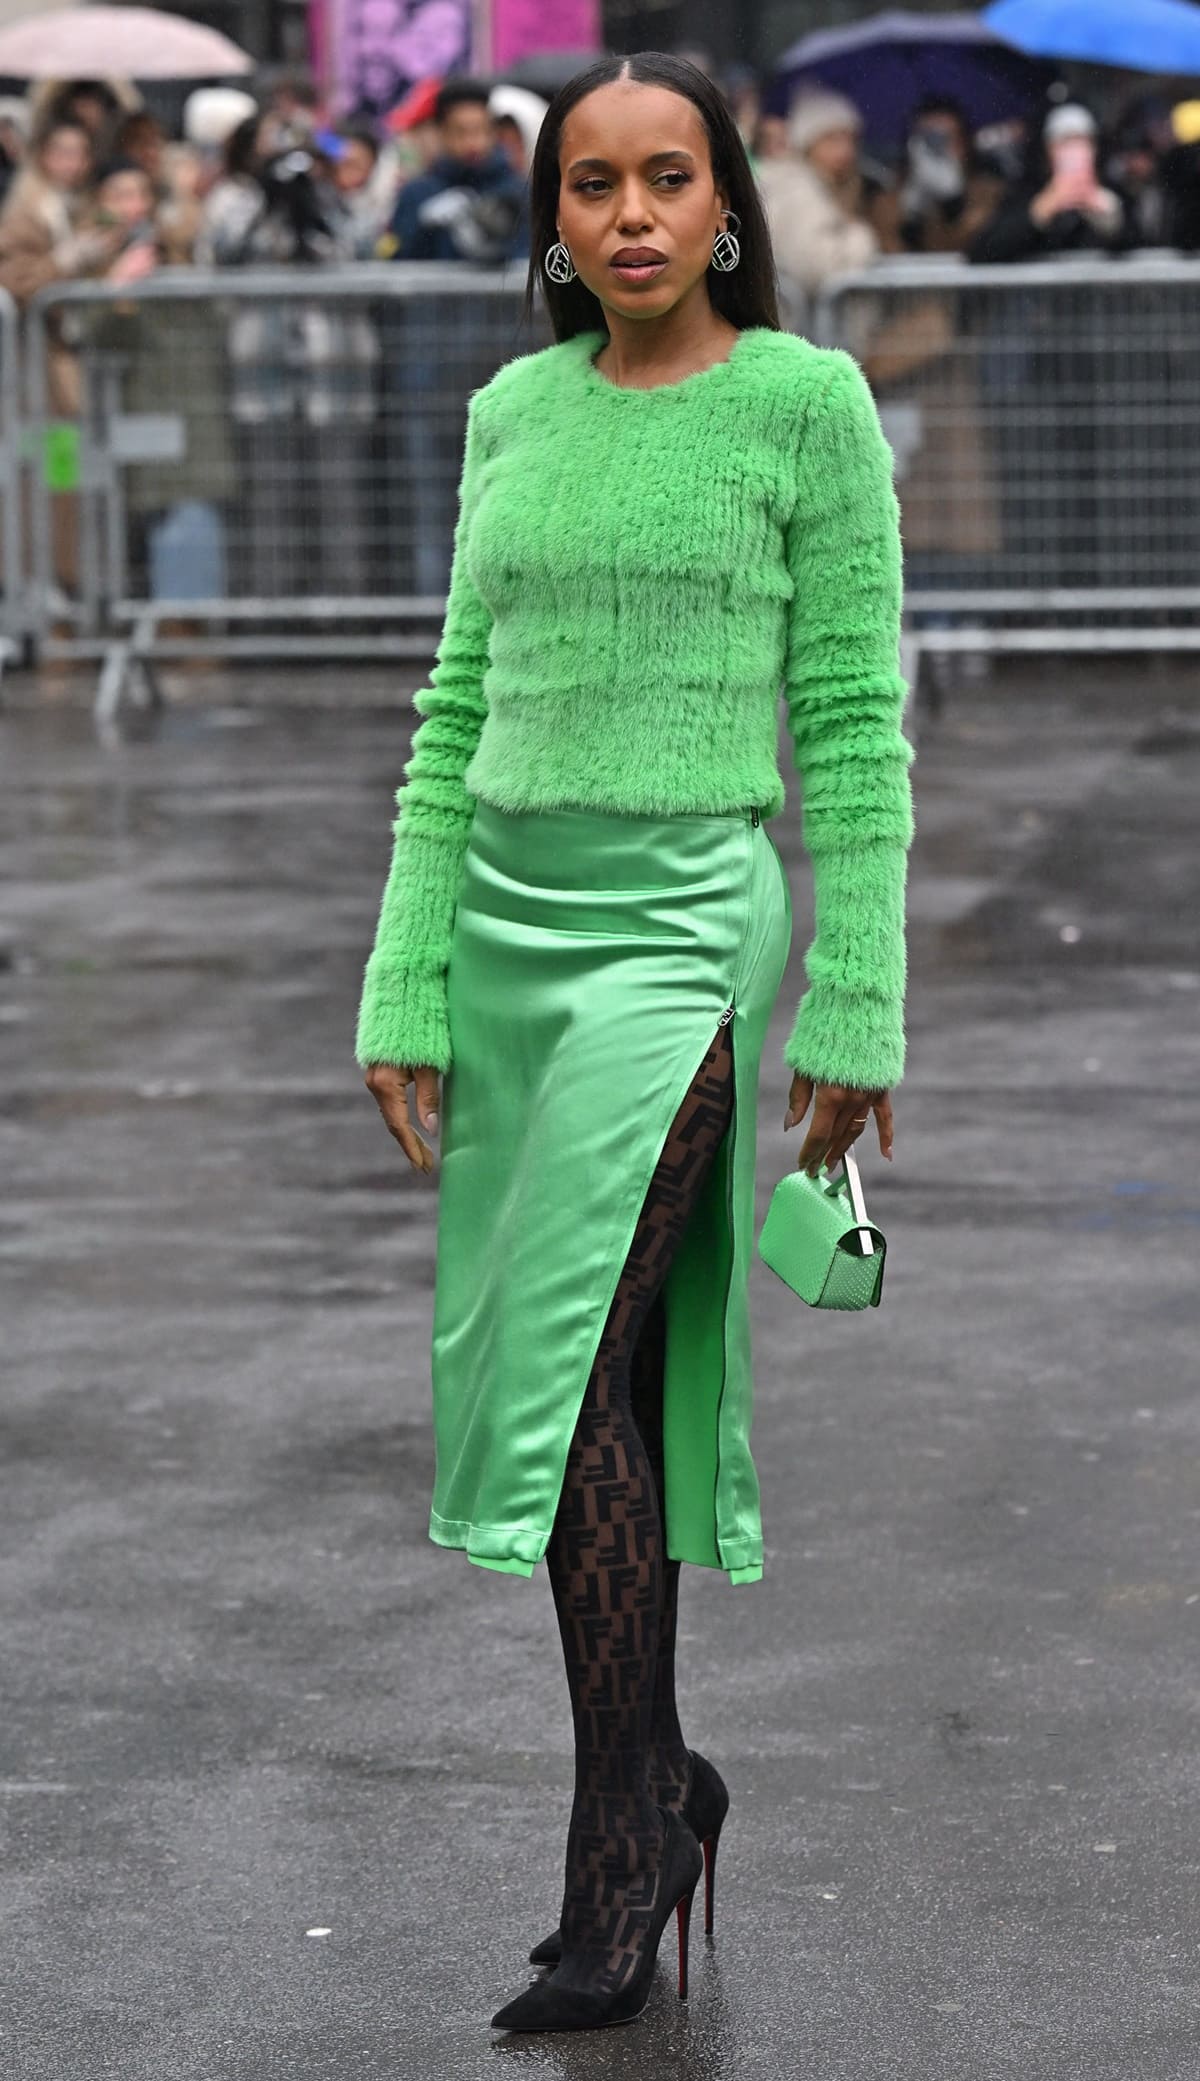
x,y
886,64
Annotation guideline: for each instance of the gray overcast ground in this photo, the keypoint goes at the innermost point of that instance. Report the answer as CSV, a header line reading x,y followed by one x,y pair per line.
x,y
244,1697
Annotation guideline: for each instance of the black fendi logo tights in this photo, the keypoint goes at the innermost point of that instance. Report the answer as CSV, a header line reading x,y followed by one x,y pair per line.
x,y
614,1590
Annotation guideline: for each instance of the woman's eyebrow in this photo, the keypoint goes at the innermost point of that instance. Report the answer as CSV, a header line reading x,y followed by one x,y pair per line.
x,y
605,165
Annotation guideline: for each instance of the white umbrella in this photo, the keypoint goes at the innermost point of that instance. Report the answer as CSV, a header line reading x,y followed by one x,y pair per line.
x,y
129,42
16,10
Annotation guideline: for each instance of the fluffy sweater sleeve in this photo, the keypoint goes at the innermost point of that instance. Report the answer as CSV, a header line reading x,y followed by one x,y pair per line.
x,y
845,701
402,1014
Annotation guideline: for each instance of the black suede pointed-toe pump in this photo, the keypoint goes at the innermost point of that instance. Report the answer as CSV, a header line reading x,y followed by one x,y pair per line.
x,y
704,1809
547,2006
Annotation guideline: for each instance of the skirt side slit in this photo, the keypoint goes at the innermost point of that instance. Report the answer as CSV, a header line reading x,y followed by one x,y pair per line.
x,y
665,1284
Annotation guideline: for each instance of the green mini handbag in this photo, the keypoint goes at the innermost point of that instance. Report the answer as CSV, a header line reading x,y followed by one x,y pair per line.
x,y
818,1239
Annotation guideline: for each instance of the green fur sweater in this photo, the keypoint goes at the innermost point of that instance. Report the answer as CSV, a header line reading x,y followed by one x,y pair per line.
x,y
637,575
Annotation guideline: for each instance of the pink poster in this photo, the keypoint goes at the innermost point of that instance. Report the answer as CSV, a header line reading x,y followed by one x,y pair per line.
x,y
374,50
522,26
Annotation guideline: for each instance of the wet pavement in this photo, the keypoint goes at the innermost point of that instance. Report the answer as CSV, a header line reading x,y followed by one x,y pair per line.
x,y
282,1786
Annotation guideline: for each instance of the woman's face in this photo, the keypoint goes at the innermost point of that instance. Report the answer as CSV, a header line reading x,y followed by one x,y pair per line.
x,y
638,208
354,169
835,155
946,134
128,198
66,158
144,141
1073,158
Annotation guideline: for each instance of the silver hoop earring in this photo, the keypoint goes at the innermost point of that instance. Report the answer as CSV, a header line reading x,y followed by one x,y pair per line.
x,y
558,264
726,251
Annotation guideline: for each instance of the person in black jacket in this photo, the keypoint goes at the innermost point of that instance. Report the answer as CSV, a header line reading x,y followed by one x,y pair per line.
x,y
470,205
1061,206
1045,361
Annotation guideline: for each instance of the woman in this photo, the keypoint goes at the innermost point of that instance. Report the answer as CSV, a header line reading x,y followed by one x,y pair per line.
x,y
167,357
1062,205
816,199
170,169
1045,367
586,925
45,237
944,193
918,358
15,127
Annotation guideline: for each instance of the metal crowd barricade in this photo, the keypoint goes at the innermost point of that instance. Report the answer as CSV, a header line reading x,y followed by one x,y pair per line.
x,y
12,567
1045,420
263,463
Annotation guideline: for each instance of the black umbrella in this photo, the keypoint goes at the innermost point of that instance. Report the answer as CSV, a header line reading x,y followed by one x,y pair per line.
x,y
544,72
888,62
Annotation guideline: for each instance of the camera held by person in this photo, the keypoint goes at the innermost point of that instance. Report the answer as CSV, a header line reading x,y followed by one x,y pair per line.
x,y
294,187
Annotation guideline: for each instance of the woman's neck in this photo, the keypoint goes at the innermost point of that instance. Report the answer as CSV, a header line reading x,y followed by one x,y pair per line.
x,y
642,352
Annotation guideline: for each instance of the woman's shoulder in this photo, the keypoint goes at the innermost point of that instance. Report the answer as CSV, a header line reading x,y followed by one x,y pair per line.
x,y
787,366
799,398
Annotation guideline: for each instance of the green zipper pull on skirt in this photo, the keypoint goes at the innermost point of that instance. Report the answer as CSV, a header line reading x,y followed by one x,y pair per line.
x,y
592,959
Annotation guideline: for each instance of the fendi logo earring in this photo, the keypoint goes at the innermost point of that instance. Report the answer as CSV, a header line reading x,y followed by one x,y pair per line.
x,y
726,251
558,264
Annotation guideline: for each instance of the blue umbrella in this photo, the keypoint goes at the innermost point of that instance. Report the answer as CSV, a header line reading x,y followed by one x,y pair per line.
x,y
1148,35
887,64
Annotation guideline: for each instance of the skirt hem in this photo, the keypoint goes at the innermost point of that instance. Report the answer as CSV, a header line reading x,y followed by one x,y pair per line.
x,y
510,1551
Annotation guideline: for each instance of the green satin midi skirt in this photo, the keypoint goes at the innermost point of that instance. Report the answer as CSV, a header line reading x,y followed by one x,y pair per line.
x,y
592,959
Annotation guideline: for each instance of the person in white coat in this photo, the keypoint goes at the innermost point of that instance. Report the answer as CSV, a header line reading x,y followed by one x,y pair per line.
x,y
813,198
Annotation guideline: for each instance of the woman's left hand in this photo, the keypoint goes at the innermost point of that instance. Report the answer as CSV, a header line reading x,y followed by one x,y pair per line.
x,y
840,1114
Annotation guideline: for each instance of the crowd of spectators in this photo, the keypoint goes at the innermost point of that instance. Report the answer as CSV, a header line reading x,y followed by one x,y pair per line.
x,y
92,185
282,404
1014,192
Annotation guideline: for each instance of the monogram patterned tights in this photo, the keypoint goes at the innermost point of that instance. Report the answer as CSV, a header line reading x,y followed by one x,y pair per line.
x,y
614,1590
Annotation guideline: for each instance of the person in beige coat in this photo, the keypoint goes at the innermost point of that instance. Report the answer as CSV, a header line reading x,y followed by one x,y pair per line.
x,y
42,234
44,238
814,201
917,360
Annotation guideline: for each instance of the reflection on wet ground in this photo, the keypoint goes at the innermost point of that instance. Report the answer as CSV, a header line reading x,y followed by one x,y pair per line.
x,y
245,1700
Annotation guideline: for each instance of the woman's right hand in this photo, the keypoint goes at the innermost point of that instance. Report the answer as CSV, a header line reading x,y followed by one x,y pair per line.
x,y
388,1085
1051,202
134,264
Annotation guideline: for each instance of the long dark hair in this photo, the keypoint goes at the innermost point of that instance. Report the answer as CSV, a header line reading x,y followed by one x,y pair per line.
x,y
748,296
240,154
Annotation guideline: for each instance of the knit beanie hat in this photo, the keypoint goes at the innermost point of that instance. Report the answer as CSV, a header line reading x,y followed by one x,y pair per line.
x,y
1070,119
521,107
212,114
816,115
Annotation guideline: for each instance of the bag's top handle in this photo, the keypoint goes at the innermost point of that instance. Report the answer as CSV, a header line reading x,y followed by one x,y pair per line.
x,y
857,1203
